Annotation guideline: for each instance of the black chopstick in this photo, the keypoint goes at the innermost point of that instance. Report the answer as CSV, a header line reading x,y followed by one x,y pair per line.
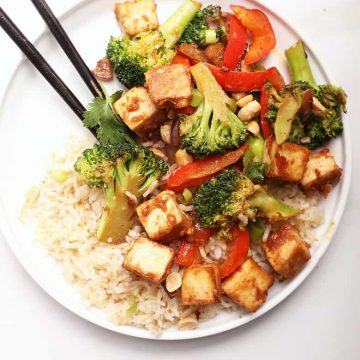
x,y
68,47
41,65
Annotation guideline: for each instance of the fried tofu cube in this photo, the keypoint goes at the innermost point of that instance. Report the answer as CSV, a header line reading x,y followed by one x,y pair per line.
x,y
149,260
137,16
286,161
286,251
162,217
201,285
170,84
138,112
321,172
248,285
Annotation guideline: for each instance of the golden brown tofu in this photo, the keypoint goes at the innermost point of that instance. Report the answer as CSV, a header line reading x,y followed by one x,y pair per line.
x,y
137,16
201,285
248,285
138,111
162,217
170,84
286,251
149,260
321,173
286,161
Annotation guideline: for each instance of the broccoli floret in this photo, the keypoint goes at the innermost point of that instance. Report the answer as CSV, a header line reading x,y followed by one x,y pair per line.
x,y
119,169
318,127
205,28
95,167
213,128
219,201
132,57
334,100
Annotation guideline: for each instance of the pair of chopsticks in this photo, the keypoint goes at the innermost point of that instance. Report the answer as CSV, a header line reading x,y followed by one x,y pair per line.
x,y
42,65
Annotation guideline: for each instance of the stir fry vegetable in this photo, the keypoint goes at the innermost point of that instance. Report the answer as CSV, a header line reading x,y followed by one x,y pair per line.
x,y
263,37
213,128
236,44
303,112
205,28
125,171
197,172
237,251
245,81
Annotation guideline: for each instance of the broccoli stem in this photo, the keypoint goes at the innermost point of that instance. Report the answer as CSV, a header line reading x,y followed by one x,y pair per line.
x,y
299,64
174,26
197,98
211,90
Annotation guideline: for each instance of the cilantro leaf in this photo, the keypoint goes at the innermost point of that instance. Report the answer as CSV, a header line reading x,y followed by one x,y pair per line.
x,y
100,114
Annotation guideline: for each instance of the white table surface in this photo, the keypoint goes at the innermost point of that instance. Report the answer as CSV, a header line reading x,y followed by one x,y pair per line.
x,y
320,320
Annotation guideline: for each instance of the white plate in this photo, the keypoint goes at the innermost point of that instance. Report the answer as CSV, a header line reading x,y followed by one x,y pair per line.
x,y
34,122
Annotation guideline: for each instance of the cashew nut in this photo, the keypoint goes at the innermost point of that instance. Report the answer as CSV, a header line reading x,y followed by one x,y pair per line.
x,y
245,100
173,281
248,112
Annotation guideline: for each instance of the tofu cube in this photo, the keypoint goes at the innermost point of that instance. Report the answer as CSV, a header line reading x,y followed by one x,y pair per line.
x,y
170,84
286,161
138,111
162,217
149,260
321,173
248,285
201,285
137,16
286,251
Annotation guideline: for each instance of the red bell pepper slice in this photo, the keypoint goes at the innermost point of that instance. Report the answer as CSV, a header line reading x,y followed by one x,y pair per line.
x,y
236,44
200,235
238,81
181,59
195,173
264,108
246,81
274,76
237,251
188,254
263,37
187,110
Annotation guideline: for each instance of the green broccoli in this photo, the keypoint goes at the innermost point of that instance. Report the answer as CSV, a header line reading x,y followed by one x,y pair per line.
x,y
205,28
213,128
316,128
254,168
305,126
269,207
132,57
121,170
219,201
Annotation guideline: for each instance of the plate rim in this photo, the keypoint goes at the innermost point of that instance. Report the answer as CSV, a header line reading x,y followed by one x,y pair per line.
x,y
133,331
